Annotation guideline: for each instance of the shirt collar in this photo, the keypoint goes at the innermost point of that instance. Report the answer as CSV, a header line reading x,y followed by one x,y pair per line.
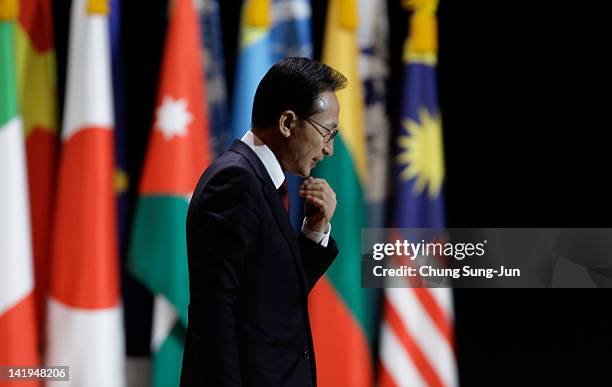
x,y
266,156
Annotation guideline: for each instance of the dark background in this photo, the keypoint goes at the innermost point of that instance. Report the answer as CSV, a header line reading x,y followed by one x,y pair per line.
x,y
525,115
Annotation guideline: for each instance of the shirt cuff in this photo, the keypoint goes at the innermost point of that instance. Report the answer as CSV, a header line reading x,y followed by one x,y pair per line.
x,y
321,238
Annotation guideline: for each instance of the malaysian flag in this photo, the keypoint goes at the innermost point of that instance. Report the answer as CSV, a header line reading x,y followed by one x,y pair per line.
x,y
416,338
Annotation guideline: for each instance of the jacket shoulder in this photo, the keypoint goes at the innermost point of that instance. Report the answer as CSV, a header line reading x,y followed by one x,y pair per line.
x,y
230,174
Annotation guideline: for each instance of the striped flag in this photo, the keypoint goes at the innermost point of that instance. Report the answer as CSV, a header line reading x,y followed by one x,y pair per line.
x,y
85,327
18,334
417,341
339,307
177,154
35,63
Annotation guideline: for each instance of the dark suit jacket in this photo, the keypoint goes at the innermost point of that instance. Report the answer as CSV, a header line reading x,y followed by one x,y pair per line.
x,y
249,279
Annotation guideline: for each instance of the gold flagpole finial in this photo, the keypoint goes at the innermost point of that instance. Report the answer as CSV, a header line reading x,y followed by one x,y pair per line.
x,y
97,7
348,14
258,13
421,5
9,10
423,37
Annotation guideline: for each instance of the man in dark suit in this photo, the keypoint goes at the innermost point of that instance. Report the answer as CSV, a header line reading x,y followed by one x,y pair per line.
x,y
249,274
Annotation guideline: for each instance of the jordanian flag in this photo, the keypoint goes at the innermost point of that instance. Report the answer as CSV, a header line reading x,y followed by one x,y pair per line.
x,y
18,335
177,154
339,306
35,62
85,327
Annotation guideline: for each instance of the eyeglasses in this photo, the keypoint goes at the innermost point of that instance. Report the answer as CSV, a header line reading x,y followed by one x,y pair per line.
x,y
328,135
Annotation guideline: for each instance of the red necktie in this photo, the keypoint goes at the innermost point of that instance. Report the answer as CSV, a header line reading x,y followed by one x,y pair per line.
x,y
283,191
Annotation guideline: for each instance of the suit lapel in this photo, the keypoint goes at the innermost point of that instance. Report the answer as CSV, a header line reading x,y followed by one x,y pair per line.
x,y
275,203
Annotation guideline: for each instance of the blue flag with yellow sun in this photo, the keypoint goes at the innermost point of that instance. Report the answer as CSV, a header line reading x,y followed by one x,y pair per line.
x,y
422,316
419,163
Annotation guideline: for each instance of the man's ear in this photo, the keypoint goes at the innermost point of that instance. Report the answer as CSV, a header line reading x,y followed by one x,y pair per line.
x,y
287,122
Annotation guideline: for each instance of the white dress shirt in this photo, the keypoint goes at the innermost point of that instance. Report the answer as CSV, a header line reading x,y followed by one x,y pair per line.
x,y
275,171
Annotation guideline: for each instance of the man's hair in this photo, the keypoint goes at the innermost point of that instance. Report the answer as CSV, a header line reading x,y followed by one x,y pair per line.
x,y
292,84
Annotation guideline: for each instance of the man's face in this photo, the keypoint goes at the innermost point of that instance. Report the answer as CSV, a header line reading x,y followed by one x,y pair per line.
x,y
306,146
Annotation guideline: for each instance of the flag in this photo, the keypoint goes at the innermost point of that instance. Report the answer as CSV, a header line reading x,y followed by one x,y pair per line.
x,y
35,64
18,334
290,35
269,32
84,312
339,306
214,63
254,59
177,153
373,37
121,175
417,341
130,288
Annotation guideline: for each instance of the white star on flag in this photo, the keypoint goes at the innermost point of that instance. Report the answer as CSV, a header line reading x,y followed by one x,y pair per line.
x,y
172,117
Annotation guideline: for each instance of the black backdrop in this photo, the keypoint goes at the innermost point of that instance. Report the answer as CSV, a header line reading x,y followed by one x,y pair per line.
x,y
524,100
